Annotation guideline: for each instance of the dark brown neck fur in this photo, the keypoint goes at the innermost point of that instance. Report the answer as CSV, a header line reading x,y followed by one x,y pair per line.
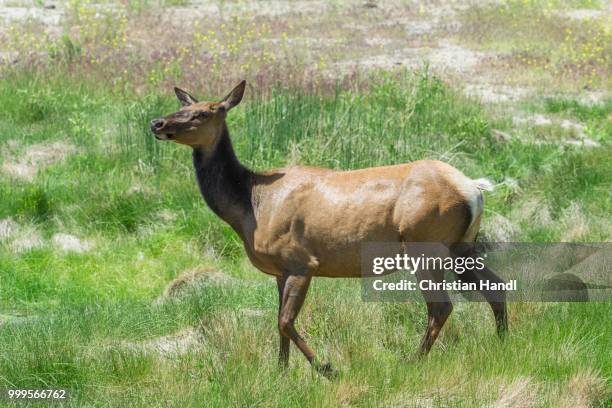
x,y
225,183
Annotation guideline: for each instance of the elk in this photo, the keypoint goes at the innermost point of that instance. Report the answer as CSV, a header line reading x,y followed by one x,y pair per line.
x,y
300,222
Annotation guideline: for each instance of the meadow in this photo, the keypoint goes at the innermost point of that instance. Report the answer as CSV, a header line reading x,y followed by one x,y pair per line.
x,y
120,285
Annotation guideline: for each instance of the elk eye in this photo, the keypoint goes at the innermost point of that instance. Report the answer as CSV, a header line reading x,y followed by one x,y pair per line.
x,y
202,114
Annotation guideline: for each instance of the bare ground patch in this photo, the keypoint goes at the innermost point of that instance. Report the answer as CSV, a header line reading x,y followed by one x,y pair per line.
x,y
36,157
25,237
565,131
71,243
490,93
19,238
171,345
272,8
585,13
16,12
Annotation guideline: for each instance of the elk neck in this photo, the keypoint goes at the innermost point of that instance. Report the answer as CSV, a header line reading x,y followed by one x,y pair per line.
x,y
224,182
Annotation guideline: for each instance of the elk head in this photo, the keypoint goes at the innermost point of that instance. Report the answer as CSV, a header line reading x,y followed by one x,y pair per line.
x,y
196,124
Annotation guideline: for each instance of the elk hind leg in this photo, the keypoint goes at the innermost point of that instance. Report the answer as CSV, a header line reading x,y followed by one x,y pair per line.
x,y
439,308
495,298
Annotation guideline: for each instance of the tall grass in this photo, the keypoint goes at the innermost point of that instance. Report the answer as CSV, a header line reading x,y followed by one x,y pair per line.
x,y
401,118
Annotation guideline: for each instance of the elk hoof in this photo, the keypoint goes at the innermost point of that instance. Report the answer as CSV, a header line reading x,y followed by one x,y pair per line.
x,y
326,370
417,356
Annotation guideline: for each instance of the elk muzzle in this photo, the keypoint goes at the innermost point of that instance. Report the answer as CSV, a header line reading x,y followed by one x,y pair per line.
x,y
158,126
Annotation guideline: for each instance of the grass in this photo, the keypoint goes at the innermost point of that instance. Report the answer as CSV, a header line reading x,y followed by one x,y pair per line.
x,y
77,158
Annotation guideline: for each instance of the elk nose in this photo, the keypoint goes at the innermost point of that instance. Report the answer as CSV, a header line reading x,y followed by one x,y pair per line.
x,y
157,124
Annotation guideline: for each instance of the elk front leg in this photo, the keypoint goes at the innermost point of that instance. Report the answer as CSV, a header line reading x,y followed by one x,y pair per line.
x,y
283,352
294,293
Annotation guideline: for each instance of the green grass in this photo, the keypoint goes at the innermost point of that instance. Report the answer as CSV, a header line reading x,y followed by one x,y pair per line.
x,y
596,117
70,316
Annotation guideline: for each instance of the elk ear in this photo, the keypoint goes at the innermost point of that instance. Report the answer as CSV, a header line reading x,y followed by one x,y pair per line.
x,y
234,97
184,97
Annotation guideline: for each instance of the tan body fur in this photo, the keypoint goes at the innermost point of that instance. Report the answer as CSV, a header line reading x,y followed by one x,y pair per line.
x,y
316,219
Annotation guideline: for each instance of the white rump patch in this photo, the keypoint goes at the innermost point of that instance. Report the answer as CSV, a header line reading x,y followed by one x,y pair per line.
x,y
484,184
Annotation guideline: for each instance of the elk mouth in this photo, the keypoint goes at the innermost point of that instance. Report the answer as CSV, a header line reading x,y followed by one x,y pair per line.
x,y
162,134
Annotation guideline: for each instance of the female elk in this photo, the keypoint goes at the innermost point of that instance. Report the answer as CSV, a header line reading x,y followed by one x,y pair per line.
x,y
298,222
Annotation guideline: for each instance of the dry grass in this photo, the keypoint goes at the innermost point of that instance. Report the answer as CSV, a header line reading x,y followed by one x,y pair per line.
x,y
188,281
583,389
520,393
